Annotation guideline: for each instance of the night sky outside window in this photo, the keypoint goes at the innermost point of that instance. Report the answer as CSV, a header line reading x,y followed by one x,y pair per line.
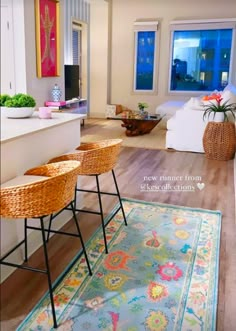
x,y
201,56
145,56
145,60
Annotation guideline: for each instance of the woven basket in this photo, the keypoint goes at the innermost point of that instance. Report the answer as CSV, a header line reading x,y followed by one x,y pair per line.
x,y
43,197
95,157
219,141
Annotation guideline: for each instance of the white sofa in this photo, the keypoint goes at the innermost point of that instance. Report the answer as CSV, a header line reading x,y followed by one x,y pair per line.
x,y
169,108
186,127
185,131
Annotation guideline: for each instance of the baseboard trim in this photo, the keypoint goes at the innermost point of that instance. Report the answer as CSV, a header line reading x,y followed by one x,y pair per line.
x,y
97,115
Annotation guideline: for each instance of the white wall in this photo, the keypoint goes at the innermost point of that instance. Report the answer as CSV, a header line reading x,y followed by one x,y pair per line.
x,y
98,57
124,13
13,78
19,40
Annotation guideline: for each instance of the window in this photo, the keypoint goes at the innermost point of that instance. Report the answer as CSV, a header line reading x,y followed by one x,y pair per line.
x,y
201,55
145,56
76,42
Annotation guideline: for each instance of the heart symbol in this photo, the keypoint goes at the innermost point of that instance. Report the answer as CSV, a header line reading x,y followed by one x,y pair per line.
x,y
200,186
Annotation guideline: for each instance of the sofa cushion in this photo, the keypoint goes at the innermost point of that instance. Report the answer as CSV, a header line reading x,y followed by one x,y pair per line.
x,y
169,107
228,97
193,104
231,88
171,123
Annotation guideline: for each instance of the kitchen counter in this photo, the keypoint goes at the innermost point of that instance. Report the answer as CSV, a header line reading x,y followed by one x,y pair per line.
x,y
12,128
27,143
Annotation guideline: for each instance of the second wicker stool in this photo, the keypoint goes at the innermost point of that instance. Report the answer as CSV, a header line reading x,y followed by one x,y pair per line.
x,y
97,158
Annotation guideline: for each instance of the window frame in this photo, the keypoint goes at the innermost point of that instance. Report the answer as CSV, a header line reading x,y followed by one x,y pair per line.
x,y
146,26
208,24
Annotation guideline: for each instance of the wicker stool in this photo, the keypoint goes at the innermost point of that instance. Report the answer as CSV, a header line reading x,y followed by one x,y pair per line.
x,y
219,141
97,158
33,196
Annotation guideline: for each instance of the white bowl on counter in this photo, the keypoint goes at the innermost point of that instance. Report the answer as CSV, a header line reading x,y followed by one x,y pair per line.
x,y
21,112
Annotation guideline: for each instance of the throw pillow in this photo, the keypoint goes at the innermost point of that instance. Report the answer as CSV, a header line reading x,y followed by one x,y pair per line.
x,y
228,97
193,103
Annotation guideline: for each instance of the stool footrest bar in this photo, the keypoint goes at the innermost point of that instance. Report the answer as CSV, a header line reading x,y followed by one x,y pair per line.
x,y
92,191
55,231
23,267
12,250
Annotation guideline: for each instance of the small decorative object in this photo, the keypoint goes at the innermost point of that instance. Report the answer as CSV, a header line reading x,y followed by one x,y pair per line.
x,y
142,112
45,112
218,109
219,141
56,93
19,106
142,106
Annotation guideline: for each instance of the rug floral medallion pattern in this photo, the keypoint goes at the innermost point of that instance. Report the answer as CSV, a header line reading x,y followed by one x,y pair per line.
x,y
161,273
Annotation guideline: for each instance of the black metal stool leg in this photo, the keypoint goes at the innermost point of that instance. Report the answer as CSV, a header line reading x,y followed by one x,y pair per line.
x,y
101,213
118,193
81,238
75,196
49,227
48,273
26,243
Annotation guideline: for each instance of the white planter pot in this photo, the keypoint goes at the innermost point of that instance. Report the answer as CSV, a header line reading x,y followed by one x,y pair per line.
x,y
216,117
22,112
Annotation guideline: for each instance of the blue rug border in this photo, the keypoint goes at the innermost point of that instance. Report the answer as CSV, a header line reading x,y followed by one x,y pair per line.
x,y
113,212
173,206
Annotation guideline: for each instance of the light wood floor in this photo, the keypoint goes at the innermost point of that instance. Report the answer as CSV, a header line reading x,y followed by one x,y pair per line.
x,y
21,291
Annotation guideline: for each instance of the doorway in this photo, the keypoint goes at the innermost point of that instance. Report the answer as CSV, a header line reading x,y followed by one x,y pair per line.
x,y
7,49
80,53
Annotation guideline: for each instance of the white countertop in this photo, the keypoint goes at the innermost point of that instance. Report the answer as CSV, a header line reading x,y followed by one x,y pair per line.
x,y
28,143
13,128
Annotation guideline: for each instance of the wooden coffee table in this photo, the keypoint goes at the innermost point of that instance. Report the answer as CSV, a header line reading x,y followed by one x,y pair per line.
x,y
138,126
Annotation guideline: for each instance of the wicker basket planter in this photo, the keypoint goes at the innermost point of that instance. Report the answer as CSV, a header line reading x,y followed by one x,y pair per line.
x,y
219,141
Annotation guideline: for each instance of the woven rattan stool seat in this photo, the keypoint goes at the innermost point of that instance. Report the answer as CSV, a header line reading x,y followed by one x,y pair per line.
x,y
22,180
97,158
42,191
38,198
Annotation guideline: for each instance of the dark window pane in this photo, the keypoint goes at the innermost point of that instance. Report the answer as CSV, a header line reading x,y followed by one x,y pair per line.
x,y
75,46
200,60
145,60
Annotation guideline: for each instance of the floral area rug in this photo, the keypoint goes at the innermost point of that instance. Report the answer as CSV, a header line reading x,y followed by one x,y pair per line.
x,y
161,273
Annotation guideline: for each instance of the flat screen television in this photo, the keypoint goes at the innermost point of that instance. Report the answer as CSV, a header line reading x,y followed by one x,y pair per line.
x,y
71,81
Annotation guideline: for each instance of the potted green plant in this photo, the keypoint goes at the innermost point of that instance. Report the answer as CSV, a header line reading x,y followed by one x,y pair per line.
x,y
216,109
142,106
3,99
19,105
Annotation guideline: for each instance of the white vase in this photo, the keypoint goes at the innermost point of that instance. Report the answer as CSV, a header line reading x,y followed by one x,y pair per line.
x,y
56,93
216,117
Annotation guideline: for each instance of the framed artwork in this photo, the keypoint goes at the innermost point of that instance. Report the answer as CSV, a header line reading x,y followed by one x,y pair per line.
x,y
47,37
